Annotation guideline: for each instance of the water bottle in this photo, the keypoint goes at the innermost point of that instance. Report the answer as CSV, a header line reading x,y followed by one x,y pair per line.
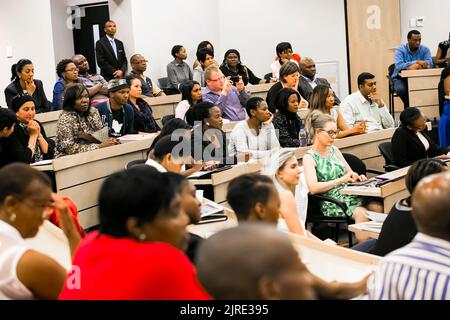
x,y
303,137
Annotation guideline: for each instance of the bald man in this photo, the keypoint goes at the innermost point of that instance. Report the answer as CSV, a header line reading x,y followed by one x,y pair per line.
x,y
421,269
257,262
308,80
96,84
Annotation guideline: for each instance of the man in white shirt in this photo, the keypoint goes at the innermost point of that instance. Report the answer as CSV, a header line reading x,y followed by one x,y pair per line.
x,y
365,105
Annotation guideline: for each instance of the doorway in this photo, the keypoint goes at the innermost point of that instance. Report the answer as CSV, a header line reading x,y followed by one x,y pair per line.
x,y
92,18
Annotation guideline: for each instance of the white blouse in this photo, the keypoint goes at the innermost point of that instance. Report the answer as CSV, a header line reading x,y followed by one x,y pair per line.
x,y
243,139
12,248
424,140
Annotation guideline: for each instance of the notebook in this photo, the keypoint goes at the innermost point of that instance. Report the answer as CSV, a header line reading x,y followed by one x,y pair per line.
x,y
211,212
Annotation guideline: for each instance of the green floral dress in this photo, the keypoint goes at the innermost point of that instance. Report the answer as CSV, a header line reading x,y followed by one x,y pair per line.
x,y
327,169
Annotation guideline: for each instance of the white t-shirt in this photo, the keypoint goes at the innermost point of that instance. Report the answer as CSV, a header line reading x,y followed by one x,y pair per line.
x,y
12,248
181,109
424,140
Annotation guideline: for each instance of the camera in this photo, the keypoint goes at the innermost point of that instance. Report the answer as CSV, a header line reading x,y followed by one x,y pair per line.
x,y
235,79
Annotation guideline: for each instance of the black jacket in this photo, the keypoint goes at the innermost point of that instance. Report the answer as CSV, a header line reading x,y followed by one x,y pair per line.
x,y
16,146
40,99
407,147
106,59
306,90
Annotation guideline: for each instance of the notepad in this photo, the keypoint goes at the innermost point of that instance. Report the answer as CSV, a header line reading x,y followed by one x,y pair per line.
x,y
376,216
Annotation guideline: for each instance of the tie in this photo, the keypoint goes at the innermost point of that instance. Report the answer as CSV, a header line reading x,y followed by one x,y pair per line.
x,y
113,45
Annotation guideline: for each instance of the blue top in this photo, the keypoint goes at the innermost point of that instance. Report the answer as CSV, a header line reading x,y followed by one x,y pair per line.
x,y
404,58
58,94
107,117
232,105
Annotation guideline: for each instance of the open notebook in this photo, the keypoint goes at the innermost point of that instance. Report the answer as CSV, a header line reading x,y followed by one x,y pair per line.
x,y
211,212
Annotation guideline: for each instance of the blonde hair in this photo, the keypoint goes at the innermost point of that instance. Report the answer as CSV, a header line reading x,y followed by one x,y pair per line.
x,y
316,119
209,70
274,163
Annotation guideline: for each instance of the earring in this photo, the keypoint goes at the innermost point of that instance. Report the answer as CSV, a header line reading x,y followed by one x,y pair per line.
x,y
207,123
12,217
142,237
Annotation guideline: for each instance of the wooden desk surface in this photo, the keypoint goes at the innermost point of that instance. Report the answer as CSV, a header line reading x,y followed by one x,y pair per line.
x,y
421,73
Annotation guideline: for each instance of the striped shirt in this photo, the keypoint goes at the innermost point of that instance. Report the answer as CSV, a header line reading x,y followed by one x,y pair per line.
x,y
418,271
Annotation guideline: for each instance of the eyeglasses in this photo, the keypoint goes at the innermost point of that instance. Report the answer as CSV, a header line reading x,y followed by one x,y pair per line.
x,y
330,132
218,79
72,70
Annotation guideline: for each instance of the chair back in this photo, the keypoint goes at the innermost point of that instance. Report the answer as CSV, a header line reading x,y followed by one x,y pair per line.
x,y
385,149
355,163
139,162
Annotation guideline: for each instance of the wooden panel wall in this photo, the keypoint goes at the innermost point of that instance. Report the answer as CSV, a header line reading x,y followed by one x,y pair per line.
x,y
373,33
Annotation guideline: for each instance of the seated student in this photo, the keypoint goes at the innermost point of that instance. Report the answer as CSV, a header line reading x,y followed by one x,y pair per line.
x,y
7,123
25,202
205,57
178,70
229,98
308,80
139,244
203,44
366,105
116,112
67,73
233,67
28,143
77,122
143,114
162,157
257,262
410,56
411,142
191,93
170,127
399,228
286,119
419,270
209,142
254,135
322,99
96,83
289,75
284,55
191,206
22,77
441,54
138,67
327,172
282,167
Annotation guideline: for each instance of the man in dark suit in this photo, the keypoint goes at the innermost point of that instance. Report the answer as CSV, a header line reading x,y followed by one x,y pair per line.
x,y
110,53
308,80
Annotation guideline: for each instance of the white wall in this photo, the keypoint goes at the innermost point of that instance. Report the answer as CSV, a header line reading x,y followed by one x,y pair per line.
x,y
436,15
26,25
252,27
315,28
62,34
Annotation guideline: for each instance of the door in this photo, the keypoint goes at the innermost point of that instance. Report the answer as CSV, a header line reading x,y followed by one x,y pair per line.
x,y
373,33
92,19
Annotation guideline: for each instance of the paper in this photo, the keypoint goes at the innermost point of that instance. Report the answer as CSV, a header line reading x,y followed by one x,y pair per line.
x,y
134,137
41,163
376,216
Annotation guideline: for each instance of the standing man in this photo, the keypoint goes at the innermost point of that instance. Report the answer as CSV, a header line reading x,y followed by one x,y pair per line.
x,y
308,80
410,56
110,53
365,106
220,90
138,67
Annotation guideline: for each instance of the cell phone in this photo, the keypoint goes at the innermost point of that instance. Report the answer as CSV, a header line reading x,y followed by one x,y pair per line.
x,y
235,79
